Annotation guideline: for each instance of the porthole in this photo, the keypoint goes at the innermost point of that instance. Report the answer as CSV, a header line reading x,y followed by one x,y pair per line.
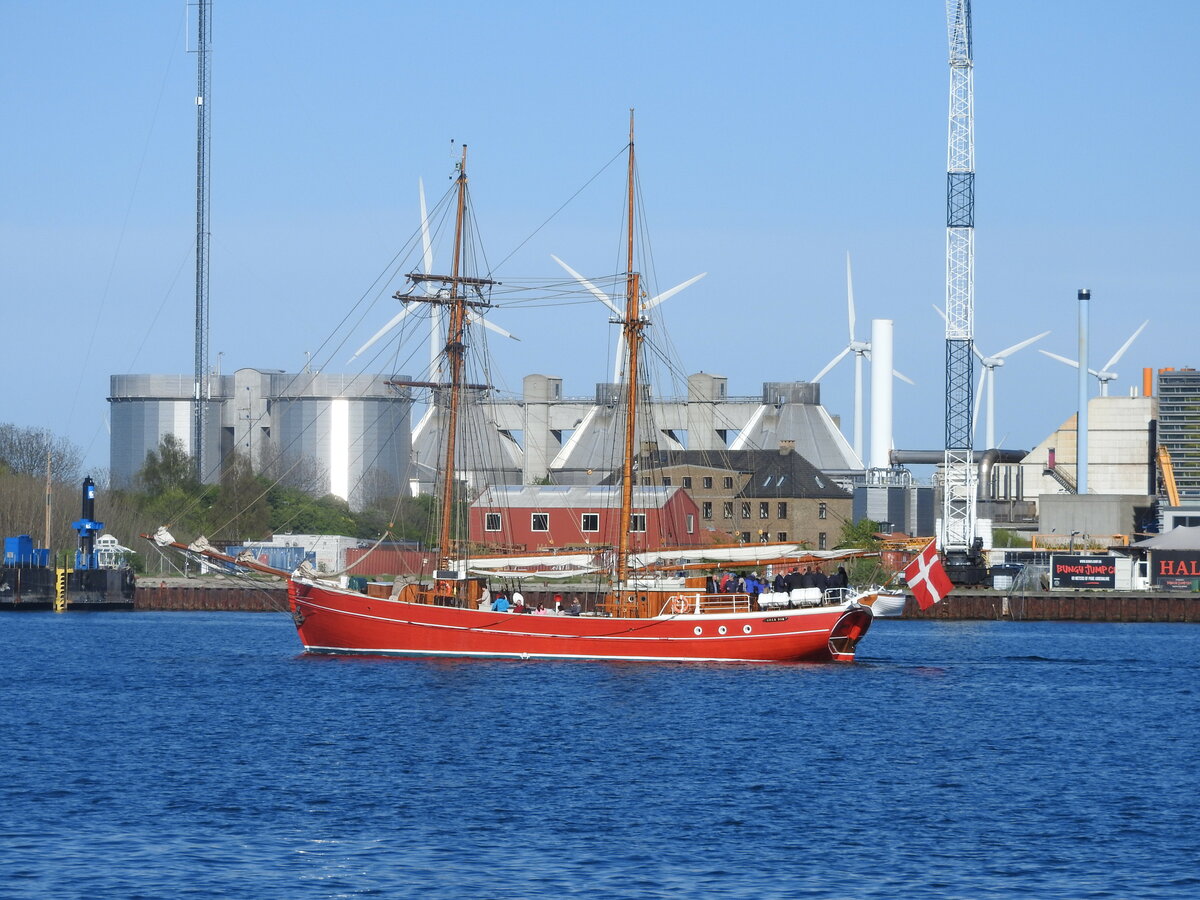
x,y
699,631
745,629
722,630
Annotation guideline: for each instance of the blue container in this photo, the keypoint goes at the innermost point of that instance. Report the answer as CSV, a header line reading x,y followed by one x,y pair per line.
x,y
285,558
18,551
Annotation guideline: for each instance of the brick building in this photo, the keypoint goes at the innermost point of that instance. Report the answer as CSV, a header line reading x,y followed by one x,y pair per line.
x,y
556,517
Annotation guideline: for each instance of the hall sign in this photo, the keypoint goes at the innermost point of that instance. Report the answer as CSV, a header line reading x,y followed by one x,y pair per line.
x,y
1174,569
1083,572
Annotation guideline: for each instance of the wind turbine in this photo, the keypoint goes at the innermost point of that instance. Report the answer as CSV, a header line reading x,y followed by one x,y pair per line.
x,y
618,313
861,350
437,334
1106,374
987,376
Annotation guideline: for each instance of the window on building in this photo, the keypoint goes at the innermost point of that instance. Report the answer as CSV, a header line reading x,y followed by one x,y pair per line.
x,y
706,510
691,524
745,509
763,537
666,481
646,480
687,481
822,510
822,541
764,509
491,522
781,511
745,537
539,522
707,482
637,522
727,482
781,536
589,522
727,509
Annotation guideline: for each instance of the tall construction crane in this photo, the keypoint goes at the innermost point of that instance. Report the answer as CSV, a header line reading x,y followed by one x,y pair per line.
x,y
962,557
200,389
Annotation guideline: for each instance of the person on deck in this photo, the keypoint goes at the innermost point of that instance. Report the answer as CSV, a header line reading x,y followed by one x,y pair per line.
x,y
541,610
575,609
500,604
820,580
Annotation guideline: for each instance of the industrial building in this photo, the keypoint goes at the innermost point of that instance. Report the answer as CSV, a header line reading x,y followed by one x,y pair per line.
x,y
344,435
1179,428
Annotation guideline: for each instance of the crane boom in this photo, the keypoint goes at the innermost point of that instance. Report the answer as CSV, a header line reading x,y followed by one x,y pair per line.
x,y
958,494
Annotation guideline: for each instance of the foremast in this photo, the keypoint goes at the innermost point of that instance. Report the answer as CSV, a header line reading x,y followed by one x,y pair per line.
x,y
452,296
633,325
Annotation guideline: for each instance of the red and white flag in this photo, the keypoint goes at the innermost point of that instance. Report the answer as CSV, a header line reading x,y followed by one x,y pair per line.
x,y
926,578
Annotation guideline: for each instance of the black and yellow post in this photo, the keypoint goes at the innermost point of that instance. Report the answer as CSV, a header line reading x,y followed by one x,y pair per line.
x,y
60,588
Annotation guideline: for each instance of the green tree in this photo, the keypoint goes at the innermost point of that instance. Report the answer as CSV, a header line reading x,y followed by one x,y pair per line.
x,y
240,510
859,535
1006,537
168,468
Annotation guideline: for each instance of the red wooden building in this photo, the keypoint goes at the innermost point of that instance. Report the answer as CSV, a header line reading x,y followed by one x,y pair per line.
x,y
554,517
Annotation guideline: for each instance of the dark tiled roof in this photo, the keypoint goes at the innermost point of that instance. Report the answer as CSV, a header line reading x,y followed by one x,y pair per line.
x,y
772,474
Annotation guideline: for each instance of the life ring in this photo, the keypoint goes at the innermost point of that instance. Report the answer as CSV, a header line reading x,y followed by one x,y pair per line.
x,y
679,606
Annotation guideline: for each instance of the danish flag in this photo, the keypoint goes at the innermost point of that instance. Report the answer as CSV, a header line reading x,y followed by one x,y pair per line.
x,y
926,578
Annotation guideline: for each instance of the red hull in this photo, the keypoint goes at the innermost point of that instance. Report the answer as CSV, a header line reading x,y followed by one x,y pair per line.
x,y
330,620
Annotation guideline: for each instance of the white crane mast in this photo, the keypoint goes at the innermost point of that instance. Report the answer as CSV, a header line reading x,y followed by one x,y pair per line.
x,y
958,504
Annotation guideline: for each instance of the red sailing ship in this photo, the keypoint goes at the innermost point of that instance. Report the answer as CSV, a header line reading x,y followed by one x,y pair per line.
x,y
656,605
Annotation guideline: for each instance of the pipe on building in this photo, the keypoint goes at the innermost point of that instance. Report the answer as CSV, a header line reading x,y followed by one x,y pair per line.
x,y
937,457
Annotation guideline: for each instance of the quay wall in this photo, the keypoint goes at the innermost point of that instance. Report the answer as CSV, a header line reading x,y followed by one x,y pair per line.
x,y
209,598
1053,607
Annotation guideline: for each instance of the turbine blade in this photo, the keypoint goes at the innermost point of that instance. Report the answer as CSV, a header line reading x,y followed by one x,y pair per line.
x,y
1008,351
975,350
903,377
492,326
666,295
426,245
596,292
833,362
392,323
937,309
1061,359
979,398
1125,346
849,297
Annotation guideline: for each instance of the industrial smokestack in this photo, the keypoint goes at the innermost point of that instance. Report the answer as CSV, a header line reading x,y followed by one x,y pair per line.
x,y
1081,418
881,392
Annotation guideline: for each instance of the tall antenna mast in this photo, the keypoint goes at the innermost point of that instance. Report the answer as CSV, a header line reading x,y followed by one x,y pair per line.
x,y
200,389
958,496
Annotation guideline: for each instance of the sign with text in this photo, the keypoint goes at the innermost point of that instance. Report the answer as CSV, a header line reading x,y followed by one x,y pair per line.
x,y
1083,572
1175,569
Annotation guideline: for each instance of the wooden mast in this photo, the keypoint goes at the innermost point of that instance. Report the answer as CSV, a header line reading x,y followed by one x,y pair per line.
x,y
454,353
633,336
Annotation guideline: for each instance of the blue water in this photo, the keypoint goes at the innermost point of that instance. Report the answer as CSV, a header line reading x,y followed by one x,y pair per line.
x,y
198,755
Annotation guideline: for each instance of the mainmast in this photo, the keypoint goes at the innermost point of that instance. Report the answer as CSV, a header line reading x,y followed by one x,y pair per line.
x,y
632,326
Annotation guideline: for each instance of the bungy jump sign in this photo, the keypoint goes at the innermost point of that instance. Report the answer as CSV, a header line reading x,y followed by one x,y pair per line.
x,y
1075,572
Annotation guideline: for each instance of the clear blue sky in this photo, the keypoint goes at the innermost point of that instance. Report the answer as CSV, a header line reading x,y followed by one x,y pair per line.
x,y
772,138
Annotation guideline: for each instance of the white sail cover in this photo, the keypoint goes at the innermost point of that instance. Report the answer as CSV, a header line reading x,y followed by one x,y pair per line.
x,y
567,565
